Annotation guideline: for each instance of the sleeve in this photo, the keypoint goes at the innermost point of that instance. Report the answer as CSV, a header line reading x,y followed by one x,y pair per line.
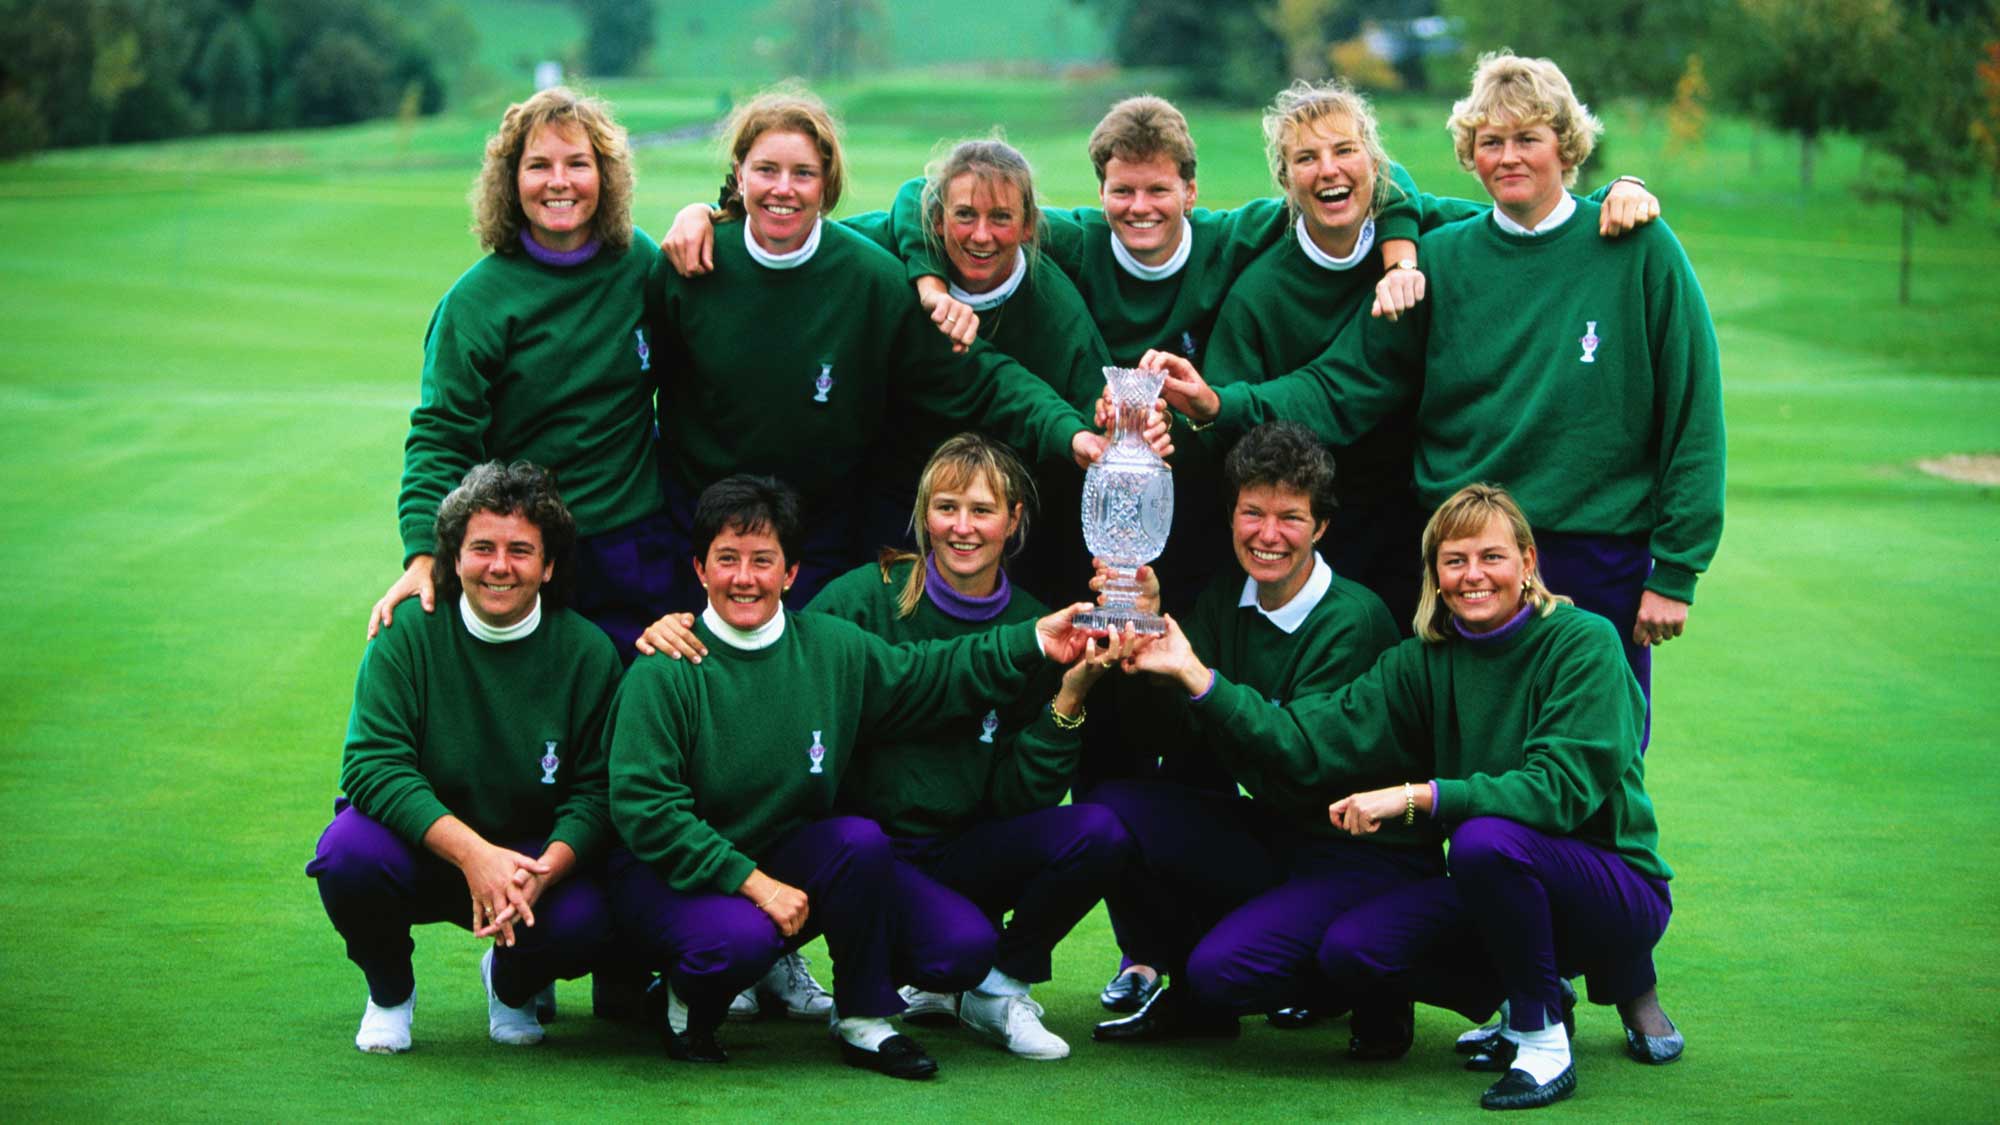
x,y
379,769
983,389
652,726
903,227
1236,346
583,819
1687,409
1244,232
1582,737
1372,367
463,351
1069,322
1356,713
1402,215
908,688
1037,768
1061,236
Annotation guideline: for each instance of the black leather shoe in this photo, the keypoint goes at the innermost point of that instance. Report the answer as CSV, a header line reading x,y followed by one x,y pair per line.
x,y
1655,1050
1168,1014
695,1045
1128,991
1382,1032
899,1056
1496,1057
1293,1018
1519,1091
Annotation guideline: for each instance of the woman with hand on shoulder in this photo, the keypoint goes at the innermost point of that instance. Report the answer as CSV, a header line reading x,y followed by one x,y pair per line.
x,y
540,353
790,356
474,764
1530,720
725,772
974,807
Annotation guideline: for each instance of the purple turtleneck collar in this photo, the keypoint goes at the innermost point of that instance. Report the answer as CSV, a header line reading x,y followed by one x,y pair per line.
x,y
1512,626
562,258
963,607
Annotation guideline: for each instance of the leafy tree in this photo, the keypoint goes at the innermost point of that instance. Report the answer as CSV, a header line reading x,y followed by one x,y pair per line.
x,y
618,34
1687,116
1986,127
339,79
1812,66
1608,48
230,78
833,38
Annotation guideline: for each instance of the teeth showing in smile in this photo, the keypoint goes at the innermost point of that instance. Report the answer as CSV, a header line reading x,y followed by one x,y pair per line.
x,y
982,255
745,599
1334,195
780,209
1266,556
559,204
1475,595
1142,224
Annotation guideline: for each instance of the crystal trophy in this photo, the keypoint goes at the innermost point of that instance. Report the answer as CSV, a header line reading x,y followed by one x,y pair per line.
x,y
1128,505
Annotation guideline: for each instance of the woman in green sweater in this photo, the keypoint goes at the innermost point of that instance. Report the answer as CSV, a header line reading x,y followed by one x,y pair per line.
x,y
1580,372
474,765
724,775
540,352
792,356
1522,710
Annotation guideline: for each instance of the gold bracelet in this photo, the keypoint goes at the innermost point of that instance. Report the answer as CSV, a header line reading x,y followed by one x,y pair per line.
x,y
766,904
1409,804
1194,426
1064,722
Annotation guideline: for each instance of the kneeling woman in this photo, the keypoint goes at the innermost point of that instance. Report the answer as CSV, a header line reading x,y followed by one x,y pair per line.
x,y
724,775
473,763
1534,723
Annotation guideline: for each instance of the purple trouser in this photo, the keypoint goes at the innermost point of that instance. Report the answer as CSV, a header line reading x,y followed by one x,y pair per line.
x,y
1605,574
1520,910
627,578
713,946
375,887
1050,867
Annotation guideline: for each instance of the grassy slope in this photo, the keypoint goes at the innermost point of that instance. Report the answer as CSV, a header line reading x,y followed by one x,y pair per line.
x,y
209,353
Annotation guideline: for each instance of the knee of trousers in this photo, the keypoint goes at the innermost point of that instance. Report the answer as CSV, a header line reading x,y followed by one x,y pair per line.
x,y
957,959
1353,952
1487,845
1102,843
861,842
1221,977
1121,798
729,945
360,865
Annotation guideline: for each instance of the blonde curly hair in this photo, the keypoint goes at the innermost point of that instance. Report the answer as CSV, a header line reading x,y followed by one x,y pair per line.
x,y
1524,92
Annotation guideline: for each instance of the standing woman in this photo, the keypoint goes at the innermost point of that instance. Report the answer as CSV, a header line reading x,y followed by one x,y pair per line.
x,y
1530,721
789,358
1580,372
540,353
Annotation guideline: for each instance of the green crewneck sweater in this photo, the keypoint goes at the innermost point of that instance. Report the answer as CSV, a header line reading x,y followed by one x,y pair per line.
x,y
1579,372
792,371
945,777
1273,676
713,763
445,723
1541,727
548,364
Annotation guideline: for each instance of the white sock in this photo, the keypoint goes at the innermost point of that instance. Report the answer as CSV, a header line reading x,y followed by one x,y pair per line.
x,y
385,1031
998,983
865,1032
1543,1054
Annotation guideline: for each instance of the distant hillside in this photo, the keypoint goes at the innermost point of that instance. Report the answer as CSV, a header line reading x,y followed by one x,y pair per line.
x,y
750,40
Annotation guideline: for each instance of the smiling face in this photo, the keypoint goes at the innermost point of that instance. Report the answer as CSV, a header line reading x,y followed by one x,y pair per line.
x,y
782,179
968,529
1144,201
1480,577
557,182
1331,181
1273,531
502,567
1522,167
983,225
746,576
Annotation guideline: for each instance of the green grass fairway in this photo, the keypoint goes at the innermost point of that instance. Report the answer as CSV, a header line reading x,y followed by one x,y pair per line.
x,y
208,356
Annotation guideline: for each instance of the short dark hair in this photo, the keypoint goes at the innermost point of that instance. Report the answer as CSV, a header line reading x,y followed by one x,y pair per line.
x,y
521,489
745,503
1287,454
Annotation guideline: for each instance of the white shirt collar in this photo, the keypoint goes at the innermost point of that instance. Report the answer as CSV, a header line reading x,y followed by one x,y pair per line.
x,y
792,260
996,296
1160,272
1292,614
497,634
749,640
1565,207
1362,244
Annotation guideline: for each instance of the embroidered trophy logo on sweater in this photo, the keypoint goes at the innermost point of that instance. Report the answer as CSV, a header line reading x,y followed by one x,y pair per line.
x,y
549,763
824,383
816,751
988,725
645,353
1589,341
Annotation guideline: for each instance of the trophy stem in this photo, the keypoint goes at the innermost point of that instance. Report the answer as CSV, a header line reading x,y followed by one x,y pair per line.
x,y
1121,606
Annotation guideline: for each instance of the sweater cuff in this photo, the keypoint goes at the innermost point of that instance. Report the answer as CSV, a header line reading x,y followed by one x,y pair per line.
x,y
1401,225
1452,797
418,540
1207,691
581,838
729,875
413,817
1434,798
1673,581
1234,400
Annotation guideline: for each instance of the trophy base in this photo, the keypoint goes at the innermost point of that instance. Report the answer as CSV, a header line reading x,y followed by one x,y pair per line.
x,y
1112,619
